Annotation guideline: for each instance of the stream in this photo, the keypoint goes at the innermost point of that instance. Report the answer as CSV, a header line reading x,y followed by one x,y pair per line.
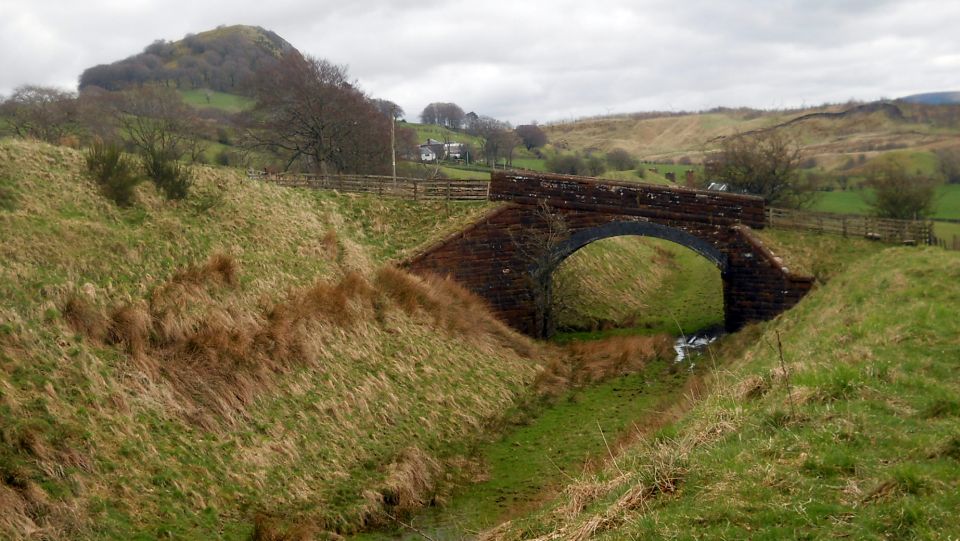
x,y
690,345
532,462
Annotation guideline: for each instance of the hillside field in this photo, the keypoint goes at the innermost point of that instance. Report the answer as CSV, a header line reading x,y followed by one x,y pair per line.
x,y
247,364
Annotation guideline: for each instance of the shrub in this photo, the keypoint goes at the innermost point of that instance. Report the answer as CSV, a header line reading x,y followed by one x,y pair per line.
x,y
172,178
113,172
567,164
595,166
897,193
764,164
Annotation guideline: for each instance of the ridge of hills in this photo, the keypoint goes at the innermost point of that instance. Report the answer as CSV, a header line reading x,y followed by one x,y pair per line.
x,y
934,98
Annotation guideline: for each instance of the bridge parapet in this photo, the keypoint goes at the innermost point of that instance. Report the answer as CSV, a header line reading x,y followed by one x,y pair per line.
x,y
628,198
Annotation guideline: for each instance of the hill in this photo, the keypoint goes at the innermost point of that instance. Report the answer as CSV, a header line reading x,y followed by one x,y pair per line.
x,y
934,98
833,137
221,60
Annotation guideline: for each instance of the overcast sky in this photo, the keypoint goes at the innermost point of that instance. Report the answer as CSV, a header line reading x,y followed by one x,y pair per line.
x,y
536,60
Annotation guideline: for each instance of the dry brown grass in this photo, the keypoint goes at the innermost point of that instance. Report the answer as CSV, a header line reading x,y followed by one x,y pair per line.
x,y
403,288
597,360
84,317
220,268
266,528
411,481
331,244
14,512
130,327
218,355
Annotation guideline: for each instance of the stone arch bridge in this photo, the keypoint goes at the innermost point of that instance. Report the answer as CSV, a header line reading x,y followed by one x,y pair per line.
x,y
507,256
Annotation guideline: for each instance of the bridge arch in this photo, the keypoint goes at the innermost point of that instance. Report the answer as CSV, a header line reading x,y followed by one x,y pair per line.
x,y
583,237
492,256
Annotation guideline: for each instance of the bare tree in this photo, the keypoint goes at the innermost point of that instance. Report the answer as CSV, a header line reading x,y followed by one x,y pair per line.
x,y
388,108
443,114
540,249
308,111
162,128
531,135
765,164
40,112
898,193
498,140
157,121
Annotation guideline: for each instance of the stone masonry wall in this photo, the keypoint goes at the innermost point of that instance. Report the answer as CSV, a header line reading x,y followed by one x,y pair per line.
x,y
492,257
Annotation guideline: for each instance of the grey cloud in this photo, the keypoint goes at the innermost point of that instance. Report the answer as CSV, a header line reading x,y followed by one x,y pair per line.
x,y
536,60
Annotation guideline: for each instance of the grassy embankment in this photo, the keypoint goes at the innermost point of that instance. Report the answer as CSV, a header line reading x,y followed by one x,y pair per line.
x,y
853,432
628,279
627,285
177,369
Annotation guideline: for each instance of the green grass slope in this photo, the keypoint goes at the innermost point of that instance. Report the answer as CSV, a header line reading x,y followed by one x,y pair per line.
x,y
636,284
854,432
203,98
181,369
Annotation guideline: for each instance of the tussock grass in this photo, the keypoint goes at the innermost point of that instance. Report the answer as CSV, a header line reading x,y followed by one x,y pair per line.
x,y
849,434
582,363
175,369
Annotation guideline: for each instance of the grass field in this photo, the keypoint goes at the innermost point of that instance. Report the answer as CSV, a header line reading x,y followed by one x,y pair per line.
x,y
946,202
533,164
853,432
230,103
439,133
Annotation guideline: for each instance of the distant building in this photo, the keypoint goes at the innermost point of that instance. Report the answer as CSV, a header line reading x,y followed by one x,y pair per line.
x,y
433,150
454,151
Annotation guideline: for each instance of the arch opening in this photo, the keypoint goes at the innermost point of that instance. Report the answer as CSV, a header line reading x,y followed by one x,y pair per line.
x,y
635,275
584,237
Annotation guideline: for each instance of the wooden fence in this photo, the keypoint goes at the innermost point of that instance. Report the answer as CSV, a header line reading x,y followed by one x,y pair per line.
x,y
887,230
883,229
948,244
402,187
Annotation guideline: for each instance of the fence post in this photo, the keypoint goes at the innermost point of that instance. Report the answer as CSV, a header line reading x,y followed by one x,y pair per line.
x,y
844,221
415,190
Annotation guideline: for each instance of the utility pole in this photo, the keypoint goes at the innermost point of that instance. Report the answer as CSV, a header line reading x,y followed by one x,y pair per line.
x,y
393,149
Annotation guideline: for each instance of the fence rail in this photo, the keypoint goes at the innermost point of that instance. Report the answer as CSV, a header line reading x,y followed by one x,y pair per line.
x,y
402,187
884,229
887,230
